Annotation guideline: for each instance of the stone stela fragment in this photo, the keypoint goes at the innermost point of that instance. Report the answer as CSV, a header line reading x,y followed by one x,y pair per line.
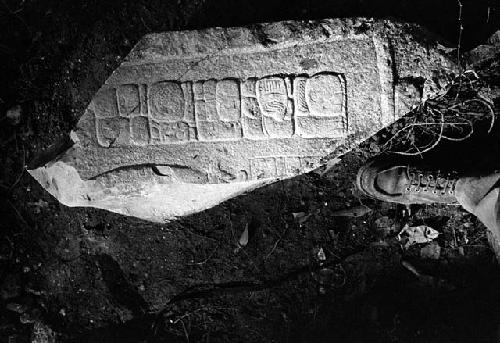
x,y
193,118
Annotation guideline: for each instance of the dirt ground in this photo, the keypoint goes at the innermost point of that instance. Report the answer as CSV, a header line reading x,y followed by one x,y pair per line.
x,y
306,274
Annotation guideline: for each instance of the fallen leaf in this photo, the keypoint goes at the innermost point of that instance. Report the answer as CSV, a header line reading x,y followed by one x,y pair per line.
x,y
417,234
244,237
356,211
297,215
321,255
300,217
410,267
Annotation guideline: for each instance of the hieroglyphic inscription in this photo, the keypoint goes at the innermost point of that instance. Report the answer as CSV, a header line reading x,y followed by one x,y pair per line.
x,y
257,168
217,108
281,166
170,112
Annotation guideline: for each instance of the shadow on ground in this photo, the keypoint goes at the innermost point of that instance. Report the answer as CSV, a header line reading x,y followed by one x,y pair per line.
x,y
95,276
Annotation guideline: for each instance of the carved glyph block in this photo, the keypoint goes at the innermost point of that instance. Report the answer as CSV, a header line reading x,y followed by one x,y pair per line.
x,y
222,110
192,118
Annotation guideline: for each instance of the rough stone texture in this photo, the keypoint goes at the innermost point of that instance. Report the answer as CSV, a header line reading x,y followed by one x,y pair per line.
x,y
192,118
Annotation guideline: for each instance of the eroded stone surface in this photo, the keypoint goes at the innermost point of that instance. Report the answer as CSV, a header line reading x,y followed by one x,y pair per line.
x,y
193,118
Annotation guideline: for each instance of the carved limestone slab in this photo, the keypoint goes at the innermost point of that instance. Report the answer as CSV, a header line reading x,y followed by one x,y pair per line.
x,y
192,118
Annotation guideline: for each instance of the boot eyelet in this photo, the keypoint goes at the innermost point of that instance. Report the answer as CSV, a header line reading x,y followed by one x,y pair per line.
x,y
408,189
434,192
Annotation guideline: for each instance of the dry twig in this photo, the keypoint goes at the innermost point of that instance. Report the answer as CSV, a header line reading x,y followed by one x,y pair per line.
x,y
448,117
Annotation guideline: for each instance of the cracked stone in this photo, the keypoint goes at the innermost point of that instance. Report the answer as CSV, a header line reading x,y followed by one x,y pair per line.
x,y
193,118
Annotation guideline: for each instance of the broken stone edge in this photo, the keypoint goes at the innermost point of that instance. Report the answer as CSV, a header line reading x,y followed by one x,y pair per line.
x,y
59,177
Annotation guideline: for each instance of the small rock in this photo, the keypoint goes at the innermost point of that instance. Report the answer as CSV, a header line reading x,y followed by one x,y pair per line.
x,y
431,251
243,241
14,114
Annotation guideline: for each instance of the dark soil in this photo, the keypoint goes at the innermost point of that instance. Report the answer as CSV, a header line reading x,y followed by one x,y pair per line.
x,y
86,275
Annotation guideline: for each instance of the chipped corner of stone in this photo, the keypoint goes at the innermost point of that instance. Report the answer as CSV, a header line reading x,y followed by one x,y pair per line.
x,y
156,202
64,183
74,137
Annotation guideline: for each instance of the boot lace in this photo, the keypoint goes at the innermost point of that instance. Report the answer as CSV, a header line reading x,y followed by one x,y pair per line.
x,y
435,182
